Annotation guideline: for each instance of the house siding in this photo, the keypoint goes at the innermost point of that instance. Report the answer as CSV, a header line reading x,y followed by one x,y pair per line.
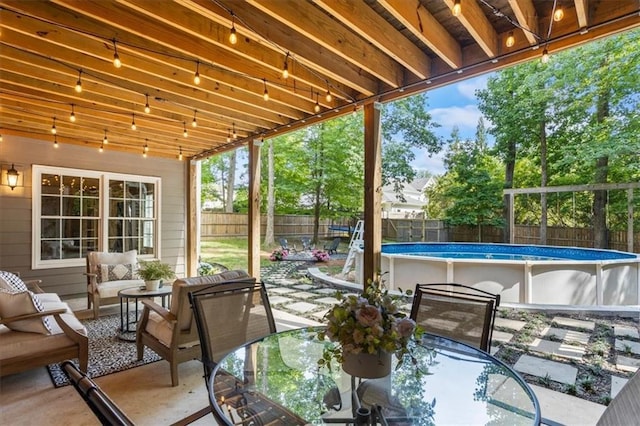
x,y
15,206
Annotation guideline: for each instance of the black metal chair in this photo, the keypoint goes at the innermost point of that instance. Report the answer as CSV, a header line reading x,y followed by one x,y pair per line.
x,y
306,243
284,244
463,313
333,247
228,315
102,406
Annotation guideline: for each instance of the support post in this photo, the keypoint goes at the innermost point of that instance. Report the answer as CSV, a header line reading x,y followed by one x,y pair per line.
x,y
253,219
372,191
193,219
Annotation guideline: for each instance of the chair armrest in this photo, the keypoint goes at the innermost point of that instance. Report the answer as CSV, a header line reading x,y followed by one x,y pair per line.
x,y
8,320
162,311
549,422
92,282
34,286
68,331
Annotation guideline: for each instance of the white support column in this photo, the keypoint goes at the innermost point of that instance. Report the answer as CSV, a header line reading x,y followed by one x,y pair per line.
x,y
450,270
599,288
526,289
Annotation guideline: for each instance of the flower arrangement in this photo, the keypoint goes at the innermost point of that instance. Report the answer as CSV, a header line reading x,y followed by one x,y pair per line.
x,y
370,323
279,254
320,255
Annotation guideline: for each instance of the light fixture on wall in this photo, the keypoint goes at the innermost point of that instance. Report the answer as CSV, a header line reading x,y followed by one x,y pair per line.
x,y
11,176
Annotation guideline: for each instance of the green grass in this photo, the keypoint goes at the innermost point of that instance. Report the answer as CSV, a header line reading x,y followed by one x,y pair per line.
x,y
231,252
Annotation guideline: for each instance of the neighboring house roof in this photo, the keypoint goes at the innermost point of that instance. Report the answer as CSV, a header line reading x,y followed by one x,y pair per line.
x,y
413,196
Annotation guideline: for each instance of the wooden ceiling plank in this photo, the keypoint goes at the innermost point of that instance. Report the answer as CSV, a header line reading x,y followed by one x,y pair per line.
x,y
582,12
525,14
372,27
423,25
312,23
475,21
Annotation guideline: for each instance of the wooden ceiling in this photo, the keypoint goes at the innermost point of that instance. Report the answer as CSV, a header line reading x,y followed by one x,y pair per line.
x,y
358,51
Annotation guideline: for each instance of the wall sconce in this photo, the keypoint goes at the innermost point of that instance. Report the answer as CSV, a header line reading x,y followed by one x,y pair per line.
x,y
11,176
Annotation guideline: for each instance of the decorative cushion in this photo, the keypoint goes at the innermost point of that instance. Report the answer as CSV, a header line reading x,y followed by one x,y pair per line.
x,y
13,304
116,272
100,257
10,281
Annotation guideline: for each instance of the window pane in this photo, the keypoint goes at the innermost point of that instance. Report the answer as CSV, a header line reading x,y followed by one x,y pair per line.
x,y
70,185
115,245
116,208
90,207
116,189
90,187
70,249
70,228
133,208
133,190
131,228
131,244
50,206
115,228
50,228
50,250
89,245
50,184
90,228
70,206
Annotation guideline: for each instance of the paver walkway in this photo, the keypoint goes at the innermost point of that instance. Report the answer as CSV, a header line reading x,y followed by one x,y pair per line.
x,y
583,357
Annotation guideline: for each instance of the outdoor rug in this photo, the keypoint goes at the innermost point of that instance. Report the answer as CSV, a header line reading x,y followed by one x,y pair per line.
x,y
107,352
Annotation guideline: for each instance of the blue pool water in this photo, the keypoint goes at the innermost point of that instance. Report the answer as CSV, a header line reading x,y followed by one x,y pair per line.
x,y
502,251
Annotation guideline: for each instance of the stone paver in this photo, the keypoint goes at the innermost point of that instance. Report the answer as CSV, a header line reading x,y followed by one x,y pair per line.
x,y
560,349
319,315
509,323
626,331
304,287
501,336
302,307
282,290
567,335
575,323
625,363
277,300
327,300
303,295
327,291
616,384
539,367
624,345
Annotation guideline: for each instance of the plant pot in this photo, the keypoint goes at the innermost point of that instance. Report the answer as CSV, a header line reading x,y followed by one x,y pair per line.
x,y
152,284
368,366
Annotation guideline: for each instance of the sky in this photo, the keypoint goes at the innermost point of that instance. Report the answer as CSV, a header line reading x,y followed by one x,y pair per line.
x,y
449,106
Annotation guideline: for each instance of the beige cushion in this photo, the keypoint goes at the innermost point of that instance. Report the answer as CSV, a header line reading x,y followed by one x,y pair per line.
x,y
111,288
100,257
163,330
10,281
116,272
13,304
45,298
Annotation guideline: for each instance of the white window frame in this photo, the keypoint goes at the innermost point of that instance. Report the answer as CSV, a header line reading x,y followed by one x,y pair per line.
x,y
103,177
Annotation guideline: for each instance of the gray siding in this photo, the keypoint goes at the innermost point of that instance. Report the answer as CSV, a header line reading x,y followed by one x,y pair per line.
x,y
15,206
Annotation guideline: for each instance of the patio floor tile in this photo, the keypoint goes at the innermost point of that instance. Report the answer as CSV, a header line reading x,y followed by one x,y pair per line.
x,y
282,290
624,345
303,295
501,336
575,323
302,307
509,323
626,331
277,300
567,335
557,371
560,349
304,287
327,300
616,384
625,363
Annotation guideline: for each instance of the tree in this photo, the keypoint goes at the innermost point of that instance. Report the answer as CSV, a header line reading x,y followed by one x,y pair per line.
x,y
268,236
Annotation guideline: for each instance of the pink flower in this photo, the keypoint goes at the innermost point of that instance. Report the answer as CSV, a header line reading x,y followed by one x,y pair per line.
x,y
405,326
369,316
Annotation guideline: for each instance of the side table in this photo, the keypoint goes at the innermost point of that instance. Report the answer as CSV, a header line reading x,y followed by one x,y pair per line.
x,y
136,293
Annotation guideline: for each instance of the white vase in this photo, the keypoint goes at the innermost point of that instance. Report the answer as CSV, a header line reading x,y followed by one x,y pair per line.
x,y
152,284
368,366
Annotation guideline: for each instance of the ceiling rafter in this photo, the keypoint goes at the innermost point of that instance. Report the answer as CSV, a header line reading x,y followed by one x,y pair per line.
x,y
472,17
526,16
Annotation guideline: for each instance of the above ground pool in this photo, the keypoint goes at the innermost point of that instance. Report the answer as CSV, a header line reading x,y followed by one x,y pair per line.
x,y
520,273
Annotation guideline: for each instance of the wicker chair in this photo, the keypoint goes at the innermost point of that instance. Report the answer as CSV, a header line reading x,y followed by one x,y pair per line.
x,y
457,311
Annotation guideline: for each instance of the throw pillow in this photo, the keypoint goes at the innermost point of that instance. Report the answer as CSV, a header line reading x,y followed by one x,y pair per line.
x,y
115,272
13,304
12,280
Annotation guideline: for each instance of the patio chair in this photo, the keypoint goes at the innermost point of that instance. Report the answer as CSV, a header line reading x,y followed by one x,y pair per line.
x,y
228,315
456,311
333,247
284,244
306,243
102,406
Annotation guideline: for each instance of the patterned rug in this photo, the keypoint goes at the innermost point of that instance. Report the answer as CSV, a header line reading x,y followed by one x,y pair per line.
x,y
108,353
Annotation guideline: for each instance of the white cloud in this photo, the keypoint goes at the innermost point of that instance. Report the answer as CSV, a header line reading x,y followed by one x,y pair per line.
x,y
467,88
433,164
465,117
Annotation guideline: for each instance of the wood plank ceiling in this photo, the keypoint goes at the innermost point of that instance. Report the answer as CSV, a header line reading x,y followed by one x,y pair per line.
x,y
356,51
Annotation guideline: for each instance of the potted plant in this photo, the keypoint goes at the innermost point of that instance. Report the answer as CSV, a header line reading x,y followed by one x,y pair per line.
x,y
152,272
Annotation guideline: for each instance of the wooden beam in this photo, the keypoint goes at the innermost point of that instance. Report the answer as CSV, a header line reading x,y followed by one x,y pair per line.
x,y
253,218
363,20
474,20
527,17
193,217
423,25
372,191
313,24
582,12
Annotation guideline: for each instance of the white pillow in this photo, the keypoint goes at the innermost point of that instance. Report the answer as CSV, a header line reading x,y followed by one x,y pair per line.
x,y
13,304
115,272
10,281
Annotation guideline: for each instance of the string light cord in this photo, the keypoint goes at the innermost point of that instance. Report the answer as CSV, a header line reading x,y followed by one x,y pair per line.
x,y
499,13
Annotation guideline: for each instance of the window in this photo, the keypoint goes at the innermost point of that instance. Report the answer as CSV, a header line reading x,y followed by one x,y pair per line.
x,y
76,211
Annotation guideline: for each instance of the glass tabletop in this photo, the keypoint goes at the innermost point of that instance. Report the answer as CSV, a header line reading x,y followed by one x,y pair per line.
x,y
277,380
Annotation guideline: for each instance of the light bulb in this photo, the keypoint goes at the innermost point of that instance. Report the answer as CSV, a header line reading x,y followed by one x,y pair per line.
x,y
457,8
196,76
72,116
144,153
79,82
233,37
316,107
265,95
285,69
147,108
545,56
511,40
101,149
146,147
184,129
55,141
228,135
180,154
328,97
558,14
133,122
105,141
194,123
235,135
116,57
53,127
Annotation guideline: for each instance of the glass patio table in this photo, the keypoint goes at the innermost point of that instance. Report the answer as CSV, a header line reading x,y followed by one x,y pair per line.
x,y
276,380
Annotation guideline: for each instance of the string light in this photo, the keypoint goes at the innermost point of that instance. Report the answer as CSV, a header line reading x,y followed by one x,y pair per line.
x,y
328,97
194,123
144,151
184,129
101,149
233,37
146,146
53,127
235,135
180,154
72,116
147,108
228,135
116,58
105,141
265,94
55,141
133,121
196,76
558,14
545,56
457,8
285,68
511,40
79,82
316,107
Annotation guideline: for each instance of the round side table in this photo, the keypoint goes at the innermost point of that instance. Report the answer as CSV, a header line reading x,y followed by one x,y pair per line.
x,y
136,293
